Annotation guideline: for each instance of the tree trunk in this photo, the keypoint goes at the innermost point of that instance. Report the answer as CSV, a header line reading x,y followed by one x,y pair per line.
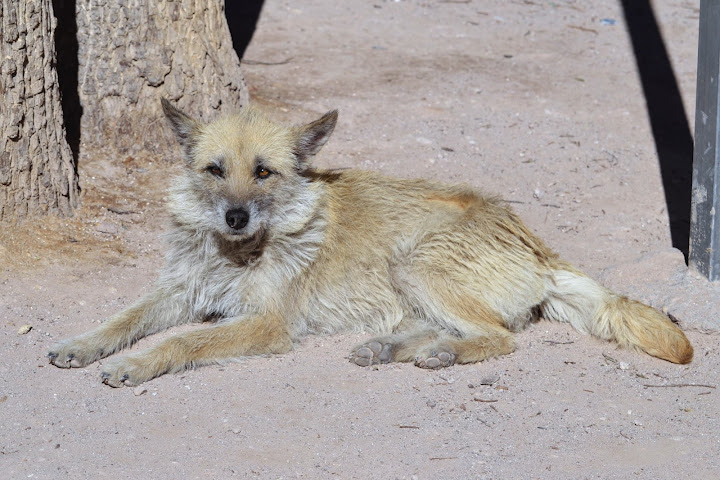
x,y
133,53
37,169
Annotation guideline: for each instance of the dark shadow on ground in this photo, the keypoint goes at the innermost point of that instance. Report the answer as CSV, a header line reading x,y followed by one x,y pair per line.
x,y
670,127
242,17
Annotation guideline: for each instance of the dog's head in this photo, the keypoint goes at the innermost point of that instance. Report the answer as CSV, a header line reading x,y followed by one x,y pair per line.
x,y
245,174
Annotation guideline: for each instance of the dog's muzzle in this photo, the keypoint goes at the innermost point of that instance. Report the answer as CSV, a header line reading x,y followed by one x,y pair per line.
x,y
237,218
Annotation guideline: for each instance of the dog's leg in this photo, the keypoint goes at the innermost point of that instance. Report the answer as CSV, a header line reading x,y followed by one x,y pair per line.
x,y
449,350
155,312
434,349
392,348
470,331
262,334
450,305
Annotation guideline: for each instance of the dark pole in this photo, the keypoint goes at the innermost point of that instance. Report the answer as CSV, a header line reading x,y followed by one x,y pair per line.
x,y
705,216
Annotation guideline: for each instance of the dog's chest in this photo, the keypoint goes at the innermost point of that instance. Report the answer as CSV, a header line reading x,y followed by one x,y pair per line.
x,y
218,284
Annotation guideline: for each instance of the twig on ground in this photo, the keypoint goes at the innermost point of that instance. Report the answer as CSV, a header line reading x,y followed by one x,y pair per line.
x,y
609,359
259,62
119,211
679,385
584,29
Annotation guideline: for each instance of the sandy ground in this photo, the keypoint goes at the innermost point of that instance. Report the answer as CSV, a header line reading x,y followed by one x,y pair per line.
x,y
539,102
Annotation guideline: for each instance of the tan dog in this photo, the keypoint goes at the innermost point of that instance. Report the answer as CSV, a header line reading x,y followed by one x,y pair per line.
x,y
272,250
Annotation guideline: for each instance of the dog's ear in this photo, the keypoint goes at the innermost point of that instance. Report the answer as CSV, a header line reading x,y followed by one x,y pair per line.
x,y
311,137
185,127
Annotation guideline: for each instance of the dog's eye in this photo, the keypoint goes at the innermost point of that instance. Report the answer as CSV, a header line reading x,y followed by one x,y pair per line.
x,y
262,172
215,170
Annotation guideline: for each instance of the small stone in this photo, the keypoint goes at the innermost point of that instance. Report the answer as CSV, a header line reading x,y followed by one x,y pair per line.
x,y
24,329
623,365
490,380
137,391
431,403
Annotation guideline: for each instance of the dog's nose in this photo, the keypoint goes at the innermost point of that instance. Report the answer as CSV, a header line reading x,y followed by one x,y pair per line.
x,y
237,218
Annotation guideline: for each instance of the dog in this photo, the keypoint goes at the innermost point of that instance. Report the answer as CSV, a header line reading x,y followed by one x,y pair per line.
x,y
271,249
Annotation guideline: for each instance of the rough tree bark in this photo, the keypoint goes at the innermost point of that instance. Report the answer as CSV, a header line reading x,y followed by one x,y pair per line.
x,y
117,60
133,52
37,170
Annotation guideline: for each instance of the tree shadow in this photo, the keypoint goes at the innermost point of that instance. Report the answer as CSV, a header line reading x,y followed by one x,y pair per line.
x,y
66,48
242,17
669,123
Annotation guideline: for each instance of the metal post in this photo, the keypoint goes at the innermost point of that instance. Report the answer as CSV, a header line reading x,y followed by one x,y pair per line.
x,y
704,223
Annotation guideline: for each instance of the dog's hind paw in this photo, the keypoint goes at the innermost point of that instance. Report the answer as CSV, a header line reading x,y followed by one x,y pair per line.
x,y
372,353
435,360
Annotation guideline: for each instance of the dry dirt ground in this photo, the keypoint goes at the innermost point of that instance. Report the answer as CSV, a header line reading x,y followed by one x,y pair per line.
x,y
537,101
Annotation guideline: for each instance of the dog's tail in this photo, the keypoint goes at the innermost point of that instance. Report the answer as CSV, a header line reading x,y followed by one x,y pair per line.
x,y
572,297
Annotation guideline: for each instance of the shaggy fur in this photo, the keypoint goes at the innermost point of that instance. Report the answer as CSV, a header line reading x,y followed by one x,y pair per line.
x,y
271,250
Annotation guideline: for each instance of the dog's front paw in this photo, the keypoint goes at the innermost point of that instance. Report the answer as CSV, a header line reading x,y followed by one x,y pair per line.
x,y
127,371
74,352
372,353
435,359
